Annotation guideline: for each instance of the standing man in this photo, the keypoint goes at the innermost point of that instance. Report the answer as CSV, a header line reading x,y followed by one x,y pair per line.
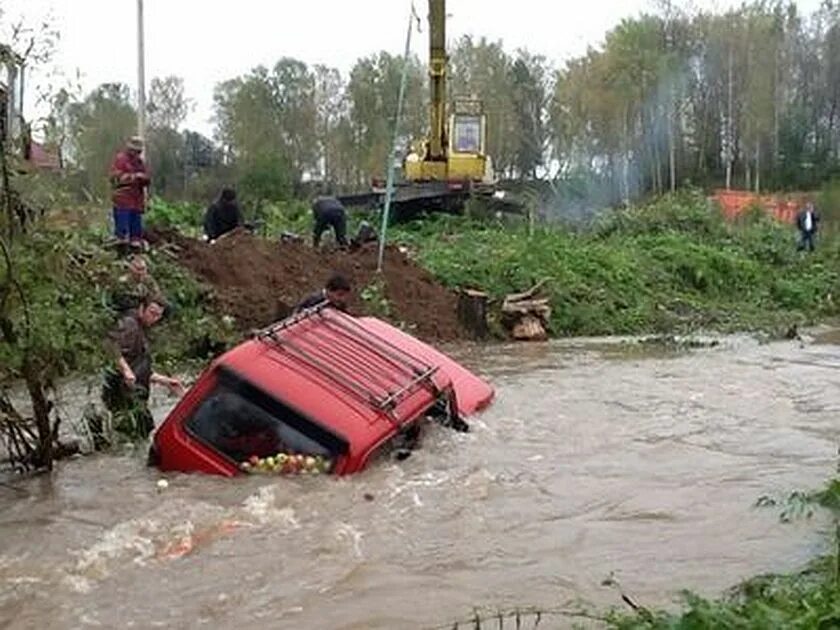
x,y
127,382
129,181
807,222
328,212
222,216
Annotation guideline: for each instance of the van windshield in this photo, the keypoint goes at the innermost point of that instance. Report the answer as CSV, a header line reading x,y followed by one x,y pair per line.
x,y
241,421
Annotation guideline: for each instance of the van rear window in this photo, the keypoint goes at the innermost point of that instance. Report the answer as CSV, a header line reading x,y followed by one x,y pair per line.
x,y
240,421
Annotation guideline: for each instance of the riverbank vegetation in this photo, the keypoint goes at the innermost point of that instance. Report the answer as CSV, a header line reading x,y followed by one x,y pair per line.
x,y
674,265
807,599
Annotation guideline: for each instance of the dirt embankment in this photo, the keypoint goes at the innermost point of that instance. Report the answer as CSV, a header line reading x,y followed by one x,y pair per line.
x,y
258,281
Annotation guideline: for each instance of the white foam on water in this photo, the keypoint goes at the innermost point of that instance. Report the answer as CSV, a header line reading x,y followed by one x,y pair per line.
x,y
263,509
24,579
130,538
346,533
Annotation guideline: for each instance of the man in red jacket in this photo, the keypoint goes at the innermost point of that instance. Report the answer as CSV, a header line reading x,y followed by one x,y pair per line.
x,y
129,180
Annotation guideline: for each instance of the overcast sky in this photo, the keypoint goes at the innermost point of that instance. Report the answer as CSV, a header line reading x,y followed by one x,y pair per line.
x,y
206,42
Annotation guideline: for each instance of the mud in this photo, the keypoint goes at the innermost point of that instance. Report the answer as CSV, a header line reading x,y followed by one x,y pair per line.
x,y
258,281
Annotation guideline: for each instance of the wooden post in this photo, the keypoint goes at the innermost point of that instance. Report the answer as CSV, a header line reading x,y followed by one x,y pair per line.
x,y
472,312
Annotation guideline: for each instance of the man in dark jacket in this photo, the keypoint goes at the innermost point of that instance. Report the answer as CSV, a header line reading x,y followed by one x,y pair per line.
x,y
334,294
807,222
223,216
328,212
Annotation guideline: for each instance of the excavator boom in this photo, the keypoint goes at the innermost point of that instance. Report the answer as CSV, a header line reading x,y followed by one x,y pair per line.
x,y
437,80
451,164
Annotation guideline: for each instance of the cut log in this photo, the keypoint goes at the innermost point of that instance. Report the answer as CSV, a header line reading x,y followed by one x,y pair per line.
x,y
536,306
529,328
472,312
525,315
518,297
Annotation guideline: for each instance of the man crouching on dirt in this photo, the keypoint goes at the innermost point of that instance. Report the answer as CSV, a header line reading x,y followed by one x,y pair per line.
x,y
126,388
328,212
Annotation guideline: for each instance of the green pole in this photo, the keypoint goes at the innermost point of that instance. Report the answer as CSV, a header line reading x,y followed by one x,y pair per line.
x,y
389,186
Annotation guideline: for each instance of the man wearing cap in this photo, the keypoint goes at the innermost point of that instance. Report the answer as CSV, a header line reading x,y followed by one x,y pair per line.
x,y
129,181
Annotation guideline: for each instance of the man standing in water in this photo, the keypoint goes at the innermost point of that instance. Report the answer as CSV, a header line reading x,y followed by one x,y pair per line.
x,y
127,382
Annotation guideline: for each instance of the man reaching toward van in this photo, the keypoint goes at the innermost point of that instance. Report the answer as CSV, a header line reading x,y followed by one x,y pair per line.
x,y
128,380
335,294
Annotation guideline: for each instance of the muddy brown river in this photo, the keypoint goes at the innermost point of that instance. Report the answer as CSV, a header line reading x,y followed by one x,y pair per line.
x,y
594,460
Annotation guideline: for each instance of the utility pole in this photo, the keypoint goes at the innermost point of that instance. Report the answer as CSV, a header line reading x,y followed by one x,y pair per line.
x,y
389,187
141,74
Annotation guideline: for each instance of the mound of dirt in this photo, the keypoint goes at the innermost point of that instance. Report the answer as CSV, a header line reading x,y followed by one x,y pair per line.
x,y
258,281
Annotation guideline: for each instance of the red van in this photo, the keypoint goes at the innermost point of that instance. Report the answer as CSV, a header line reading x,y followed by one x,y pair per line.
x,y
321,391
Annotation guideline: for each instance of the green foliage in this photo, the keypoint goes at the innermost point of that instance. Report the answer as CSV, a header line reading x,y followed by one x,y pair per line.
x,y
64,280
68,279
184,216
374,295
98,128
266,177
672,265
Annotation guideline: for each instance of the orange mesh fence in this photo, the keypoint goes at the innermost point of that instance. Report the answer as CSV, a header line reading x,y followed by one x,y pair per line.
x,y
783,208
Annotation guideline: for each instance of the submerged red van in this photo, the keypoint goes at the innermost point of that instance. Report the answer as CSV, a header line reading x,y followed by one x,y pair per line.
x,y
321,391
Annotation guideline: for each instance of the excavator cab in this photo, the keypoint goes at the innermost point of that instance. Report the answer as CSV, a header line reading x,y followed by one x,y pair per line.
x,y
467,156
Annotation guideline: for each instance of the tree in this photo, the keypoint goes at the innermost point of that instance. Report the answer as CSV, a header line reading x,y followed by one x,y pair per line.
x,y
529,79
99,126
168,105
372,93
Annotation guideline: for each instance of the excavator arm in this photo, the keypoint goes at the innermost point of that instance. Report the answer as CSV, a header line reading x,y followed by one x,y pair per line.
x,y
437,80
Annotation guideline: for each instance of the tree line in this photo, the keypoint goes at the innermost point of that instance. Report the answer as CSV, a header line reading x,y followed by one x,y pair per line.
x,y
749,98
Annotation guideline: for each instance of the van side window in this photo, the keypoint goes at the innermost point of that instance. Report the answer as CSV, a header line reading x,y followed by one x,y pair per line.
x,y
240,429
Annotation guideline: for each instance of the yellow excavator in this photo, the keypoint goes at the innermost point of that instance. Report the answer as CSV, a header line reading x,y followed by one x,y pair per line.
x,y
455,150
451,164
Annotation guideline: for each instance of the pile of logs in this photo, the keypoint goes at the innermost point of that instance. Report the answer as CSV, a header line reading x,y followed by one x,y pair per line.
x,y
525,315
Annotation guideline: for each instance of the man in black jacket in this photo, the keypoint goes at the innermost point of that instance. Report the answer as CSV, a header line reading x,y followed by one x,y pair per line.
x,y
223,216
329,213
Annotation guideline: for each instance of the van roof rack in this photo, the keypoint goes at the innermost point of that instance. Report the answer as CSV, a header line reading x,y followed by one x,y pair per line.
x,y
353,357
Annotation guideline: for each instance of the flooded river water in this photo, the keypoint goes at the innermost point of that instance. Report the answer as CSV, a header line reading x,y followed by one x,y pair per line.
x,y
593,460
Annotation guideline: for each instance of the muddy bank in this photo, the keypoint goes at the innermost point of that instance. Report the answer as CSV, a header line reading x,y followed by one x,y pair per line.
x,y
258,281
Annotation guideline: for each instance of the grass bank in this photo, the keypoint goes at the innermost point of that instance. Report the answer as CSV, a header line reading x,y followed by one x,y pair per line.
x,y
671,266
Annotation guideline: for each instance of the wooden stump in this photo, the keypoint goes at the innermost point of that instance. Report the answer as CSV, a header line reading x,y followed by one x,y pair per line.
x,y
472,312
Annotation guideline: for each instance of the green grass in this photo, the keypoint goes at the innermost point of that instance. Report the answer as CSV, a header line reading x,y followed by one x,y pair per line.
x,y
672,266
